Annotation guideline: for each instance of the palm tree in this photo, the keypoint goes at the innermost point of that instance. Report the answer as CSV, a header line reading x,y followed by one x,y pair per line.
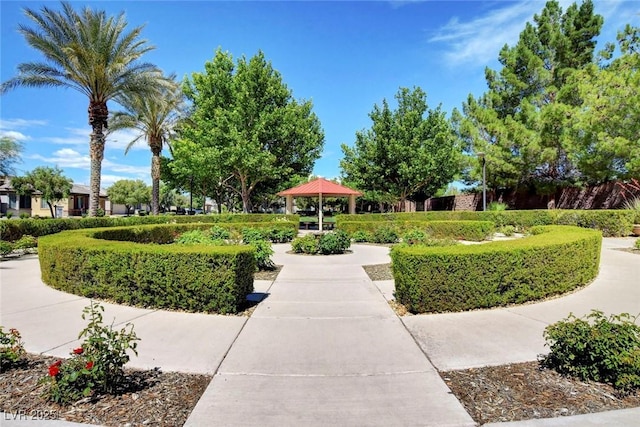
x,y
155,115
93,54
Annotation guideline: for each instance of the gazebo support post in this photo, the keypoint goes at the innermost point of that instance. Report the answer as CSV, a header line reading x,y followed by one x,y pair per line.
x,y
352,204
289,207
320,213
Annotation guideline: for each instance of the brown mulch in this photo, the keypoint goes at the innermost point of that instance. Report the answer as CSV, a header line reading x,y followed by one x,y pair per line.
x,y
524,391
152,398
378,271
267,274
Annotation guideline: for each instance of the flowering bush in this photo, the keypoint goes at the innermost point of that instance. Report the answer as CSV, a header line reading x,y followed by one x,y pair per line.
x,y
11,348
96,366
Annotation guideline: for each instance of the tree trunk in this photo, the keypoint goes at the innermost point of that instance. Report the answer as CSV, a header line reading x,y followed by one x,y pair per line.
x,y
156,149
98,114
51,209
246,201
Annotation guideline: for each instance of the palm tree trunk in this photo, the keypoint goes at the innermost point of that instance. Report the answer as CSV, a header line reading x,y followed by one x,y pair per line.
x,y
155,183
98,115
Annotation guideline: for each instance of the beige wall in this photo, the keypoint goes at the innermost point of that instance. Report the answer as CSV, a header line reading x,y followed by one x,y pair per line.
x,y
45,212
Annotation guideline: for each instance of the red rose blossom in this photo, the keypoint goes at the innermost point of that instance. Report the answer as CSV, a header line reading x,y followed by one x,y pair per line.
x,y
53,370
57,363
78,350
89,364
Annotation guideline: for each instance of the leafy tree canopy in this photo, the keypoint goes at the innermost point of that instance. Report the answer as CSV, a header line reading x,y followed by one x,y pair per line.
x,y
129,192
51,182
246,123
410,149
10,151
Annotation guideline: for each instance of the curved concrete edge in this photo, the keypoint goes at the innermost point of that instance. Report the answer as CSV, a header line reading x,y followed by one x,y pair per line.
x,y
619,418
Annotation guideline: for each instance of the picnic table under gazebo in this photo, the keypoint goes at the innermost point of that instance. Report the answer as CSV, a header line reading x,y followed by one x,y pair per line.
x,y
318,188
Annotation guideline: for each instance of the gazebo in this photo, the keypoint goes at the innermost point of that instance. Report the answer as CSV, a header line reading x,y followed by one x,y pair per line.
x,y
320,187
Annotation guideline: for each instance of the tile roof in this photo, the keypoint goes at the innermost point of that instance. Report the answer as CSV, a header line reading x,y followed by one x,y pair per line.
x,y
320,185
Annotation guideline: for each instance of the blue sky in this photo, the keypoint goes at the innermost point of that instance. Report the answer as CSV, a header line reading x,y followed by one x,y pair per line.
x,y
344,56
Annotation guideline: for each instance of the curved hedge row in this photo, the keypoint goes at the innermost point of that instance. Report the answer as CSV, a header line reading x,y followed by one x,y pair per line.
x,y
458,278
210,279
11,230
459,230
612,223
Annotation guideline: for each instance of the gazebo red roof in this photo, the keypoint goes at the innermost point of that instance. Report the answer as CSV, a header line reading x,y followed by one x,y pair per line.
x,y
320,186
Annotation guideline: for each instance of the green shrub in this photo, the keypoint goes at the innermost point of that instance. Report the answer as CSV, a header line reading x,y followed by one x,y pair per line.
x,y
263,253
97,365
9,215
415,236
507,230
11,348
385,234
637,243
361,236
596,348
194,237
280,235
611,222
5,248
467,277
307,244
218,233
497,206
26,242
200,278
336,242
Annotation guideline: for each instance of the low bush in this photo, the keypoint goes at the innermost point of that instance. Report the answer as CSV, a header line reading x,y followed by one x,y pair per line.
x,y
11,348
197,278
97,365
467,277
596,348
507,230
361,236
497,206
415,236
336,242
5,248
637,243
385,234
26,242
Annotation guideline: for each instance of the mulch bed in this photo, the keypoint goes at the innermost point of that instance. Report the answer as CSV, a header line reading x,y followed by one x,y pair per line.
x,y
153,398
524,391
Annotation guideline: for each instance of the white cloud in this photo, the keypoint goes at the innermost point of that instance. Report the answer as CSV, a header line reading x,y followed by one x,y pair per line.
x,y
107,180
13,134
65,158
122,138
20,123
479,41
140,172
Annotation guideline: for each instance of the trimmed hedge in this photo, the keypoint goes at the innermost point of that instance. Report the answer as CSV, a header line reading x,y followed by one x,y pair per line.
x,y
210,279
166,233
460,230
14,229
457,278
612,223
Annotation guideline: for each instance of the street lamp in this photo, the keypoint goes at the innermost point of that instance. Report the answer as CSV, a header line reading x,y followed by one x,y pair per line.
x,y
484,180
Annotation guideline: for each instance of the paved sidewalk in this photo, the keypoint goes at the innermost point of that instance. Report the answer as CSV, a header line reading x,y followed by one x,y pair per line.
x,y
323,347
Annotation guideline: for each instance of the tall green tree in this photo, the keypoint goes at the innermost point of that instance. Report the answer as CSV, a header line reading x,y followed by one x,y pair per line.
x,y
129,192
92,53
407,150
51,182
248,116
521,123
155,116
10,151
605,129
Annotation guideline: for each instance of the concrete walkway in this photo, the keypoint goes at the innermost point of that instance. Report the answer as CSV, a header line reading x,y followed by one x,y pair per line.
x,y
324,347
